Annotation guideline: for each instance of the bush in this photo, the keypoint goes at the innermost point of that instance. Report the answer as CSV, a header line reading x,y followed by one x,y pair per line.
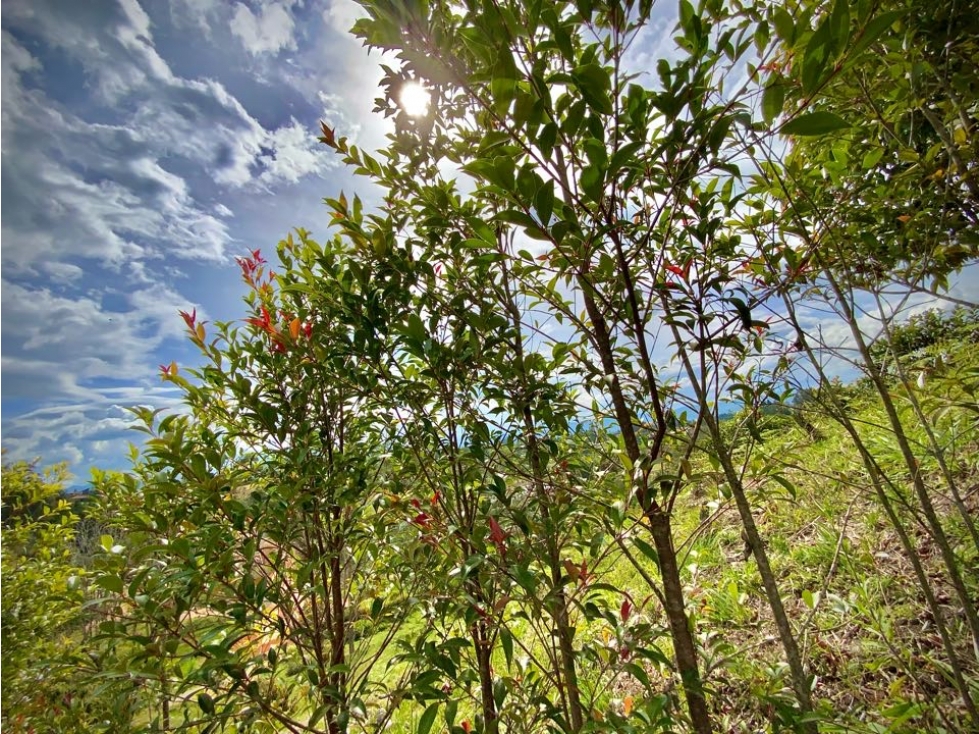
x,y
924,330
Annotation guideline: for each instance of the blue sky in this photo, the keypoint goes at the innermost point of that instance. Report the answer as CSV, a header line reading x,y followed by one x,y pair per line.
x,y
145,145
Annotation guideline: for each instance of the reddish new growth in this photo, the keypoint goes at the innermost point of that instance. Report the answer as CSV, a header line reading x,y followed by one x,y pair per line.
x,y
497,536
264,323
254,274
625,611
681,272
251,268
190,319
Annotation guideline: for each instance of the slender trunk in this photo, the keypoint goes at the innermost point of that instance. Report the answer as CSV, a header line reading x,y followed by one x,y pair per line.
x,y
800,679
838,412
559,607
676,614
937,532
338,679
660,528
164,702
567,675
482,642
937,450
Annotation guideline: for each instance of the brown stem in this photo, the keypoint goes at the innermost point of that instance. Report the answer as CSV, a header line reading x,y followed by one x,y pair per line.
x,y
800,679
660,528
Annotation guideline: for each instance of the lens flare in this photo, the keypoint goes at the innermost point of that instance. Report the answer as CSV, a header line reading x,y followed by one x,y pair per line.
x,y
414,99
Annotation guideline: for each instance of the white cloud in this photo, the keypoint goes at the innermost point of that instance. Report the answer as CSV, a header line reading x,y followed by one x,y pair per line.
x,y
270,30
295,153
341,16
61,272
43,329
107,189
143,168
199,13
83,433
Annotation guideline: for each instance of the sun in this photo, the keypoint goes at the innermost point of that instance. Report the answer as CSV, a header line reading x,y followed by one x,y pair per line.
x,y
414,99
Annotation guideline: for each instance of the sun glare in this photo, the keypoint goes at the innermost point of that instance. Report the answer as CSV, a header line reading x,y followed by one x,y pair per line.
x,y
414,99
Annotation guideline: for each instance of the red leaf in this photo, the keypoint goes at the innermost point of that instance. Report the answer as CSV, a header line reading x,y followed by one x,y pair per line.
x,y
496,533
189,318
264,323
466,726
329,135
422,520
626,609
676,270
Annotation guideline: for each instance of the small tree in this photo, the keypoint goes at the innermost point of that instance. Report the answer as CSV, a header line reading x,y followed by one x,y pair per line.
x,y
42,599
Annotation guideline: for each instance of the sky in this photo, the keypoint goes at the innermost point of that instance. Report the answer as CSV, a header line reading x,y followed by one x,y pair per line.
x,y
146,144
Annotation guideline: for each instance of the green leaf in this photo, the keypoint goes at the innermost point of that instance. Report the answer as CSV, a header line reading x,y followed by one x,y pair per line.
x,y
594,83
506,640
647,550
526,578
450,713
428,718
814,123
206,703
772,101
872,158
818,52
110,583
789,486
544,203
874,30
810,599
840,23
592,183
784,25
547,138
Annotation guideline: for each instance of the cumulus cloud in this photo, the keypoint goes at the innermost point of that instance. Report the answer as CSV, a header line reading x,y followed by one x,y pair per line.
x,y
267,31
82,433
62,273
105,345
341,16
106,186
196,13
127,170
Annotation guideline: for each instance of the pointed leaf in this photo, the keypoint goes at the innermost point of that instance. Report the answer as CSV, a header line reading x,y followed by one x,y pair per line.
x,y
544,203
874,30
772,101
428,718
814,123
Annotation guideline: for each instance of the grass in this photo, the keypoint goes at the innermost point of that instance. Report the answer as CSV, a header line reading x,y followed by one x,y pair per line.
x,y
851,595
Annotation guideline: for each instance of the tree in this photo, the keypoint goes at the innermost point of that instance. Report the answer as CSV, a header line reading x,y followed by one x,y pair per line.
x,y
404,474
267,577
42,596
